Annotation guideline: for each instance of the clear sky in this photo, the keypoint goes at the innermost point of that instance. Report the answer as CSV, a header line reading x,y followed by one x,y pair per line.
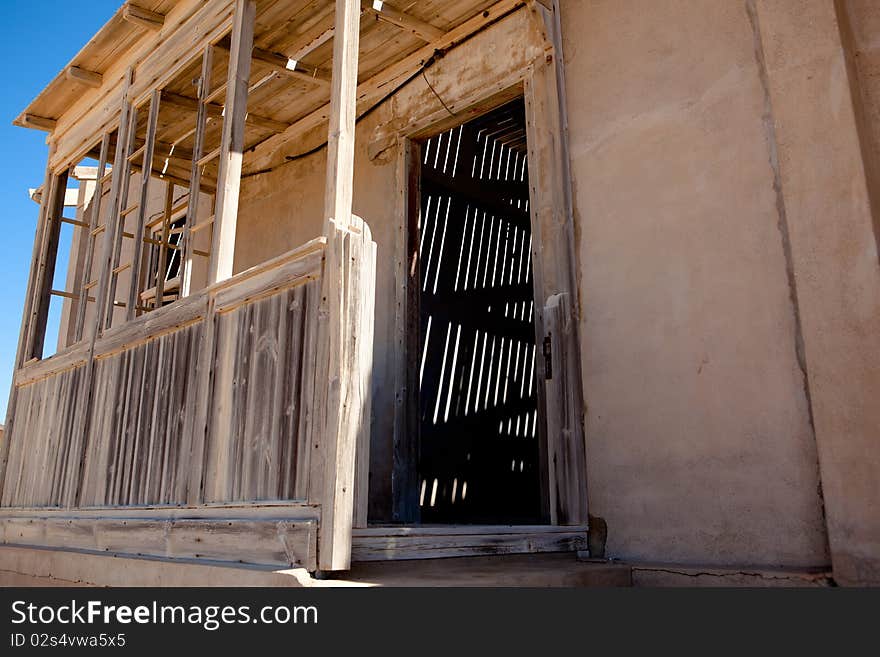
x,y
39,38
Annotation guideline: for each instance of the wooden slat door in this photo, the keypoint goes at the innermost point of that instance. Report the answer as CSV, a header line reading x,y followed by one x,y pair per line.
x,y
479,447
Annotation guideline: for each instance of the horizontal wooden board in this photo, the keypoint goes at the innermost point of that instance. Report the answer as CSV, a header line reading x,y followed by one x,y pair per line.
x,y
399,543
278,542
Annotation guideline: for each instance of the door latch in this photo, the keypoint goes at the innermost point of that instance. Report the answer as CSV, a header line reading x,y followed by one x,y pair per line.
x,y
548,357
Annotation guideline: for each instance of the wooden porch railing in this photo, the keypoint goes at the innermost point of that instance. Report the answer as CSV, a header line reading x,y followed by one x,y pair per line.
x,y
251,393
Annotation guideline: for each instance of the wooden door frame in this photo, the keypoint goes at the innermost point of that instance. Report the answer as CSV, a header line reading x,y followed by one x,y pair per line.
x,y
555,279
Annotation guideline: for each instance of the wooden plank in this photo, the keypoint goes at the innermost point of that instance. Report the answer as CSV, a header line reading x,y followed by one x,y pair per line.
x,y
103,305
271,281
46,268
341,385
432,543
87,78
163,252
39,122
276,542
152,325
343,114
274,150
232,142
216,110
555,278
141,17
42,369
390,14
364,321
143,200
187,239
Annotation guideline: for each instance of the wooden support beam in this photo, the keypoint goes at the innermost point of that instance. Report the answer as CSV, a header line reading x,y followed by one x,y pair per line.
x,y
141,17
39,312
163,252
38,122
292,67
214,110
81,75
232,141
143,200
390,14
94,217
343,114
340,438
273,151
116,201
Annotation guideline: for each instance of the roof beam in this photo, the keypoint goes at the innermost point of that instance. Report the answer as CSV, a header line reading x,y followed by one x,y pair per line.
x,y
141,17
38,122
390,14
81,75
292,67
273,151
191,104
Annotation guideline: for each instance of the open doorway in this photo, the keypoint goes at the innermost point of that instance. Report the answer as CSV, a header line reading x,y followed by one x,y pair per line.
x,y
479,458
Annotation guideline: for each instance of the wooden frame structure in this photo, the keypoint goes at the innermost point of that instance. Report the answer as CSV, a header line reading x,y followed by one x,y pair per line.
x,y
96,415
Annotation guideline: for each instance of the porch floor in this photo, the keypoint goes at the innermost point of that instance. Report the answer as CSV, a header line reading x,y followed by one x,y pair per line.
x,y
28,566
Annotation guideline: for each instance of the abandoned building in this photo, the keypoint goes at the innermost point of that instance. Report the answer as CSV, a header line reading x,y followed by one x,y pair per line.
x,y
353,282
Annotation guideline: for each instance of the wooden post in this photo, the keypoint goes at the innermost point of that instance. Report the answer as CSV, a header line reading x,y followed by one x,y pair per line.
x,y
95,217
192,210
339,396
39,308
143,199
103,300
232,144
556,302
343,115
25,317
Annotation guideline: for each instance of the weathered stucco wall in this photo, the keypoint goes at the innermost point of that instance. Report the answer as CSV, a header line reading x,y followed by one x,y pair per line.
x,y
728,283
826,181
699,442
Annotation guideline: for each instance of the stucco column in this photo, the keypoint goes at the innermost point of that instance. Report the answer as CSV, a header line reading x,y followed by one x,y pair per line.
x,y
825,191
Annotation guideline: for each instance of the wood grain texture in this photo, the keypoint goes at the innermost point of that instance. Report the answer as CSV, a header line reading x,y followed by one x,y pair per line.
x,y
384,544
277,542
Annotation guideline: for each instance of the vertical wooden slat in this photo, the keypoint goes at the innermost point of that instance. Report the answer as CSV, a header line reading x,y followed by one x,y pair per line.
x,y
232,144
95,217
103,300
162,263
146,171
188,238
343,374
46,269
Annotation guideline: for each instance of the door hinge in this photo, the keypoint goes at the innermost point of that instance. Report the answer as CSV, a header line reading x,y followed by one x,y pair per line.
x,y
548,357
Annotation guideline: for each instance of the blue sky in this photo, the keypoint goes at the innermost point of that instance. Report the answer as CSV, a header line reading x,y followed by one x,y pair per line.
x,y
39,38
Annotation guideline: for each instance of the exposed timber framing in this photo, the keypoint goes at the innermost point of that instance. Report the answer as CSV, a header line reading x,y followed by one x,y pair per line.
x,y
94,219
88,78
275,149
146,170
232,144
150,20
390,14
39,307
39,122
341,386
